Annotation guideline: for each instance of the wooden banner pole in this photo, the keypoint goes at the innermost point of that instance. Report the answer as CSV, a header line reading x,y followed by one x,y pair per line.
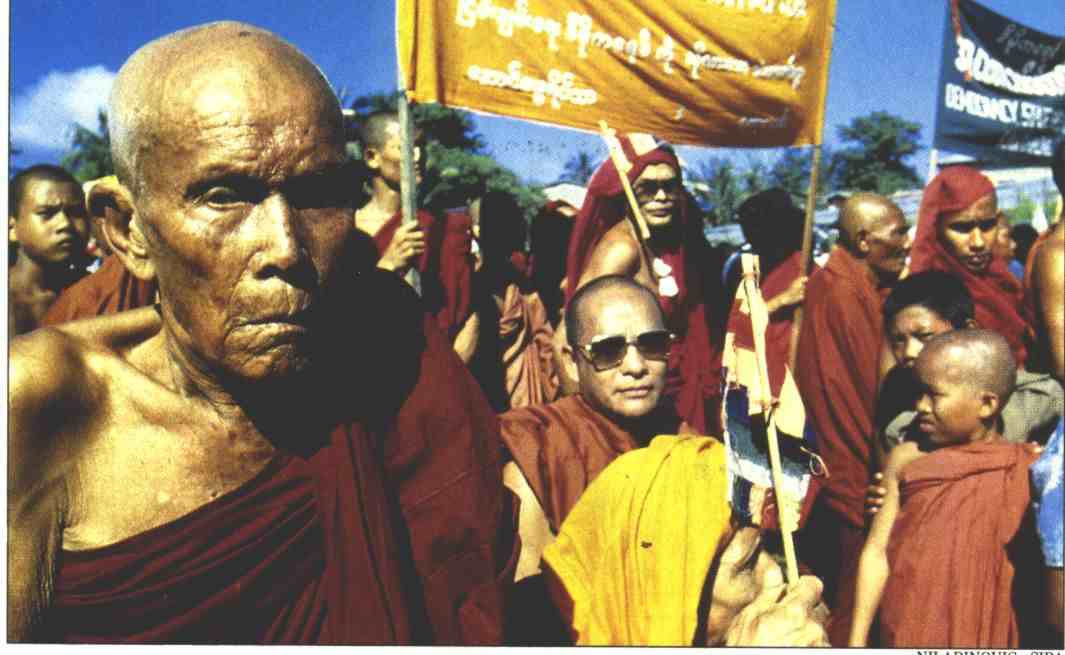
x,y
807,247
407,181
759,322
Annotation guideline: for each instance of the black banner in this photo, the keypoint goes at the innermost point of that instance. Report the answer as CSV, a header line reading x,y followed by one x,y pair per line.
x,y
1001,88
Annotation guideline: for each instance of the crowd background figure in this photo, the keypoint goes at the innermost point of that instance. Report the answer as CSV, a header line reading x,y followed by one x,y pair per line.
x,y
570,344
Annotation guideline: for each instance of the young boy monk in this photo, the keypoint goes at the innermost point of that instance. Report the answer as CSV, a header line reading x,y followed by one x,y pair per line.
x,y
937,561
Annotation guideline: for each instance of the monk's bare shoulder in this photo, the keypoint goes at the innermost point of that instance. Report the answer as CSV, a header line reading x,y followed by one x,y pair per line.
x,y
59,381
617,253
899,457
51,392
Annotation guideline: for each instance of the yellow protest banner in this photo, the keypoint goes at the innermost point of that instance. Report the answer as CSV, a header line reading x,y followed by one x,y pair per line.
x,y
739,73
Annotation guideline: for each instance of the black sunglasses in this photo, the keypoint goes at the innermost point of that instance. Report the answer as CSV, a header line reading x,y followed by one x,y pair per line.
x,y
648,189
607,352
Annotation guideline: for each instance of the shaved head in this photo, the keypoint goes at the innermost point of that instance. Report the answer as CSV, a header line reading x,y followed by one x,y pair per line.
x,y
375,131
980,359
168,87
581,313
863,212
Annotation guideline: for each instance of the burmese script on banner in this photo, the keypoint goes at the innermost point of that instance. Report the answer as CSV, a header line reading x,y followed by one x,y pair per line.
x,y
739,73
1001,87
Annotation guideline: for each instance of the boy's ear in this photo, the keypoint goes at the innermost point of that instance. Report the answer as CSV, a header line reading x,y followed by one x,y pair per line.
x,y
971,324
12,235
110,201
372,157
862,241
989,405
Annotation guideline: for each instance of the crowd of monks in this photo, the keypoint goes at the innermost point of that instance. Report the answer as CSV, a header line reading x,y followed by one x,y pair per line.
x,y
245,426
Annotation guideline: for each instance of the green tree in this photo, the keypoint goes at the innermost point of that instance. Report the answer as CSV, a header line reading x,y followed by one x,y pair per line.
x,y
792,173
755,177
717,185
875,158
89,156
579,168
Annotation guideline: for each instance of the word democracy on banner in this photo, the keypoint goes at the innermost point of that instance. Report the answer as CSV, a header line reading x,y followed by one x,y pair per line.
x,y
1002,94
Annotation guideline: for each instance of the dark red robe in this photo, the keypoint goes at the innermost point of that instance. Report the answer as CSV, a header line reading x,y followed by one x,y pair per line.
x,y
836,369
445,266
393,530
952,577
110,289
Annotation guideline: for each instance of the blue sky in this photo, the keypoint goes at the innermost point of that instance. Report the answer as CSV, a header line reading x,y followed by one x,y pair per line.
x,y
64,54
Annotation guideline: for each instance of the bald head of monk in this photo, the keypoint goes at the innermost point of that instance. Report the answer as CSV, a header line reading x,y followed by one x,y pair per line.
x,y
618,347
874,230
229,149
966,377
381,143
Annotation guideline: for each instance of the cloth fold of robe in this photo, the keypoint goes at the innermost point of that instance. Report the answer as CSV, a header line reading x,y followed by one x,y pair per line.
x,y
694,377
528,356
998,296
388,531
635,552
445,266
109,290
951,581
560,448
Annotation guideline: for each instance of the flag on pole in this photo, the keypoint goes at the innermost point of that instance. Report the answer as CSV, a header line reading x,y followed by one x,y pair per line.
x,y
747,412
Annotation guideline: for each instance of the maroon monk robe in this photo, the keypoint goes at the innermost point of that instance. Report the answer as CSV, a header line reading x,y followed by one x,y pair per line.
x,y
951,577
561,447
387,533
110,289
445,266
836,369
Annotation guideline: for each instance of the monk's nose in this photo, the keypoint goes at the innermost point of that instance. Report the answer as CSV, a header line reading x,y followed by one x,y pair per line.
x,y
633,364
977,240
279,248
913,349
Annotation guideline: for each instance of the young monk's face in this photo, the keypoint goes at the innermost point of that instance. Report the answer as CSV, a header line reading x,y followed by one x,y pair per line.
x,y
51,224
911,328
247,218
969,235
949,408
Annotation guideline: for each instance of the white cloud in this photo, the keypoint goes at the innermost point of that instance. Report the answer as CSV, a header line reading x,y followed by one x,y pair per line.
x,y
42,116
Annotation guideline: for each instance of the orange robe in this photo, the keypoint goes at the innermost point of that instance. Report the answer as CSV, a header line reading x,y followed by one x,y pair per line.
x,y
110,289
951,575
528,360
388,528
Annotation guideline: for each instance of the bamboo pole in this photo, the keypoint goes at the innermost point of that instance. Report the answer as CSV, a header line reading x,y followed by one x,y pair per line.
x,y
807,247
759,322
407,181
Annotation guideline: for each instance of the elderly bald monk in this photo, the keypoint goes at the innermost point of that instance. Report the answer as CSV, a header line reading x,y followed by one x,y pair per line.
x,y
209,481
836,371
